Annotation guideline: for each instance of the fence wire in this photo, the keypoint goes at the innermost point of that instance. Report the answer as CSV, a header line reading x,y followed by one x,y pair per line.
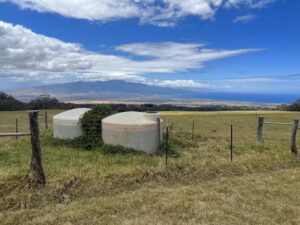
x,y
216,128
206,129
18,122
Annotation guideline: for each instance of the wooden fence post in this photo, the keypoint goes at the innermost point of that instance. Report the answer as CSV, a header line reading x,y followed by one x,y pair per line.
x,y
260,129
193,129
36,159
294,137
17,127
46,120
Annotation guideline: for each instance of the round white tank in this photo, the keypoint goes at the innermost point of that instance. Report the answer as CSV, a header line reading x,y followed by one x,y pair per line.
x,y
66,124
137,130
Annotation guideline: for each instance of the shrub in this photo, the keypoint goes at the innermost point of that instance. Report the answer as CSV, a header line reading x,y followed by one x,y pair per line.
x,y
295,106
91,124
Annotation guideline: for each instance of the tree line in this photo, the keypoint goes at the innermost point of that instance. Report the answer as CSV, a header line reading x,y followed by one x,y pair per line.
x,y
9,103
291,107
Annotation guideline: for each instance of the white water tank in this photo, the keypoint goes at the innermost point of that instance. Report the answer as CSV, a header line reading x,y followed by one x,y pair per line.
x,y
137,130
66,124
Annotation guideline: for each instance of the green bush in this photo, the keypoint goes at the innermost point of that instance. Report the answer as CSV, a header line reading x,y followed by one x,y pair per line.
x,y
295,106
91,124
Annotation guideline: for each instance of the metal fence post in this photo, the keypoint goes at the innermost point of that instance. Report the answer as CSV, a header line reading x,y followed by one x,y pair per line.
x,y
46,120
193,129
17,127
231,142
167,139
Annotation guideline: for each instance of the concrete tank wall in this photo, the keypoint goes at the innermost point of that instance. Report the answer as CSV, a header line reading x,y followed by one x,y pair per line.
x,y
66,124
135,130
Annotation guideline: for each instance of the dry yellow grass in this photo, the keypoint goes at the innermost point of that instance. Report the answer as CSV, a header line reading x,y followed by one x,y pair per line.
x,y
248,112
201,186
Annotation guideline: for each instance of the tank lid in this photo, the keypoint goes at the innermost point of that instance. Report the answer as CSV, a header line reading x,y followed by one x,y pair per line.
x,y
132,117
73,114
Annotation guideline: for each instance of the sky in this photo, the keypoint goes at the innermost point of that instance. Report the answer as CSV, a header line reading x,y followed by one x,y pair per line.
x,y
243,46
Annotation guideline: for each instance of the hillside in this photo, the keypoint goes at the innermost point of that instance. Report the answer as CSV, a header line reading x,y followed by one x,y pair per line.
x,y
200,185
113,89
118,90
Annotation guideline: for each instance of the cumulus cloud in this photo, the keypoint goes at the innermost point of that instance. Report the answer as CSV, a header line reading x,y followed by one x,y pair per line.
x,y
262,84
257,84
179,83
25,54
245,18
157,12
83,9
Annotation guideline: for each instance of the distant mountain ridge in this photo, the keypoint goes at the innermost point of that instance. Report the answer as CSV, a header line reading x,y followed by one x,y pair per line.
x,y
122,90
113,89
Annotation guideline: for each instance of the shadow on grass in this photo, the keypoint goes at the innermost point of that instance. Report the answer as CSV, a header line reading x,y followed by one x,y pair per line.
x,y
176,144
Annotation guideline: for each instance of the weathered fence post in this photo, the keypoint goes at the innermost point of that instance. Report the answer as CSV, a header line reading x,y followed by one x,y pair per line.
x,y
36,159
167,139
193,129
294,137
231,142
46,120
260,129
17,127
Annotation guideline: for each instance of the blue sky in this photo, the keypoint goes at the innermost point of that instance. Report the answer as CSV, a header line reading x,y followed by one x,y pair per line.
x,y
249,46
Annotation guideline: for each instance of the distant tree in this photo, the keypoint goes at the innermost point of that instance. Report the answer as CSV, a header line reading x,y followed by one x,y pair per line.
x,y
295,106
8,102
44,102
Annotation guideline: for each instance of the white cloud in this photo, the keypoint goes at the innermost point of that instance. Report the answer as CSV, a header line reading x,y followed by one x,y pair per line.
x,y
245,18
179,83
83,9
173,57
25,54
254,4
259,84
161,50
157,12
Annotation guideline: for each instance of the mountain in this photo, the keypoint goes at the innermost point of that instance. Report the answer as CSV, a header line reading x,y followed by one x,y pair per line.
x,y
122,90
113,89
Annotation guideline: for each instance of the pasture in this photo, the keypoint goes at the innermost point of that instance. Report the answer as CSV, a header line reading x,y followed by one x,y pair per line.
x,y
200,185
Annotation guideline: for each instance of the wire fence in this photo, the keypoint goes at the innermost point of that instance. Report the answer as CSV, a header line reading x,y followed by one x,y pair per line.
x,y
217,129
231,134
33,132
198,129
19,123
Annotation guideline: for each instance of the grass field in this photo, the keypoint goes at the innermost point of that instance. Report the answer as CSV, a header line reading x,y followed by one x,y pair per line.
x,y
200,185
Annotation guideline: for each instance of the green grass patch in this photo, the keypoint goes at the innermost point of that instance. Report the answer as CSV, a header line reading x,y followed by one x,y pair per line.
x,y
114,185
